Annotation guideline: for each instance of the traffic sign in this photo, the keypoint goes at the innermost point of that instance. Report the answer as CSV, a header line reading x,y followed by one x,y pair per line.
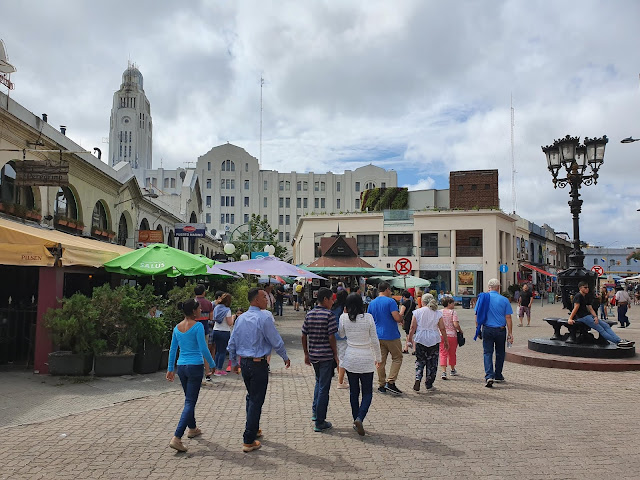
x,y
403,266
598,270
504,268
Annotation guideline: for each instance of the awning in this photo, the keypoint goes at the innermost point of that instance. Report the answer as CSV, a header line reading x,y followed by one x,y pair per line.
x,y
25,245
539,270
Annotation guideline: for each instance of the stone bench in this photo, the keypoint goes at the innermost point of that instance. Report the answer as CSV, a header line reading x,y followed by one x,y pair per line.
x,y
578,332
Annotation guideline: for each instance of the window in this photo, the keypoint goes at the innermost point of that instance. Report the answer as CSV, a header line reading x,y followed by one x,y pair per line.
x,y
287,220
322,204
368,245
323,186
99,217
209,183
222,184
287,202
338,204
429,245
612,262
305,186
209,166
287,237
129,140
369,185
305,202
120,150
129,150
265,185
299,186
383,185
222,218
154,182
228,166
173,183
232,218
246,218
264,217
226,215
222,201
487,186
400,244
281,202
246,201
298,202
208,218
357,186
246,184
337,186
281,220
474,187
316,186
246,167
165,183
208,200
147,182
287,186
264,202
460,188
280,237
595,261
281,185
227,201
316,203
233,202
357,203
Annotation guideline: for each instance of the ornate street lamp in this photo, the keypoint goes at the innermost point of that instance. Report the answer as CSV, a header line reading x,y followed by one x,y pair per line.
x,y
251,239
581,164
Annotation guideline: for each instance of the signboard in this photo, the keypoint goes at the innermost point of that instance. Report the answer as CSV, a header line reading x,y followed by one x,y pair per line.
x,y
41,173
150,236
598,269
258,255
403,266
466,282
189,230
504,268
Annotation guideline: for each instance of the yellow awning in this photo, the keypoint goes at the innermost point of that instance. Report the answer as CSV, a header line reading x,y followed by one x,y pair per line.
x,y
25,245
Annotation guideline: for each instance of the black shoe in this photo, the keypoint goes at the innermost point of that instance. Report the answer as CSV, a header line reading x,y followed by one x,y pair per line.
x,y
382,389
499,380
489,383
623,325
416,386
391,388
429,386
358,426
322,427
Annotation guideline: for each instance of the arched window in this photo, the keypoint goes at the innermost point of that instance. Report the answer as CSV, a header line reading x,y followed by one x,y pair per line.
x,y
201,249
228,166
180,244
66,205
192,240
159,228
99,217
207,254
123,231
10,193
144,224
369,185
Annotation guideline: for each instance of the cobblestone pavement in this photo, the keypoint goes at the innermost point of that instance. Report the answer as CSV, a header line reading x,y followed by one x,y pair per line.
x,y
541,423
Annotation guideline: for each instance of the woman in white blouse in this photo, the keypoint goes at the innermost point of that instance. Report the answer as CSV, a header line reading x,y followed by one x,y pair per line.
x,y
362,356
428,327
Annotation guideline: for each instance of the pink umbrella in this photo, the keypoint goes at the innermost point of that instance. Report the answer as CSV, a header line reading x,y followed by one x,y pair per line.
x,y
268,266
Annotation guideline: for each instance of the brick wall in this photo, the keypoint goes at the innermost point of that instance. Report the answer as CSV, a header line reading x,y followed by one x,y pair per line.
x,y
474,188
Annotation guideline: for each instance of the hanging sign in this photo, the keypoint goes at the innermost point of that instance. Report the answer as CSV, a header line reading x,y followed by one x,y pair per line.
x,y
41,173
189,229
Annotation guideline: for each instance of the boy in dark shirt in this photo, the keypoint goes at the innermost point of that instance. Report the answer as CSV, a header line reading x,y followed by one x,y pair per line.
x,y
583,312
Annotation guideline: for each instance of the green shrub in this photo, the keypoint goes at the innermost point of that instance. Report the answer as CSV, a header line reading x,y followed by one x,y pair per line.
x,y
73,326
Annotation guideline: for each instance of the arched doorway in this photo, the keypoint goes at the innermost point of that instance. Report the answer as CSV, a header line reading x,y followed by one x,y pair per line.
x,y
144,224
16,200
100,221
123,230
208,253
192,241
180,244
159,228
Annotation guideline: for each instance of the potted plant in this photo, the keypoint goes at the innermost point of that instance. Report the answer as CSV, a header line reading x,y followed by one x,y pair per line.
x,y
34,215
64,221
150,331
11,208
111,234
96,231
72,327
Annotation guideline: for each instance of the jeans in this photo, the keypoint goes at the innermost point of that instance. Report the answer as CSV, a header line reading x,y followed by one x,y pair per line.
x,y
603,311
221,340
602,328
393,347
359,410
493,337
622,315
324,372
279,303
190,378
256,378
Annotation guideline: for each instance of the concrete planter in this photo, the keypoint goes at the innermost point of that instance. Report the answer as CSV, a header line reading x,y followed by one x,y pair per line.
x,y
114,365
148,360
67,363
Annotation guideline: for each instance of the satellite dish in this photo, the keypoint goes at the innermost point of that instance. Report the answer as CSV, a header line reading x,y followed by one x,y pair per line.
x,y
213,232
182,175
5,66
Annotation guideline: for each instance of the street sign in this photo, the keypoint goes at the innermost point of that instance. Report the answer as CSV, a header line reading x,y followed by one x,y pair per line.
x,y
259,255
598,270
403,266
504,268
189,230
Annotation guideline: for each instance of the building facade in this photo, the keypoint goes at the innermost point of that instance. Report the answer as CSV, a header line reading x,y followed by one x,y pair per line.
x,y
614,261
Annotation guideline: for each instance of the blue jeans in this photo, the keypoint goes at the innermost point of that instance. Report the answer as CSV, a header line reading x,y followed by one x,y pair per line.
x,y
221,340
493,337
324,372
359,410
622,315
190,378
603,311
279,303
602,328
256,378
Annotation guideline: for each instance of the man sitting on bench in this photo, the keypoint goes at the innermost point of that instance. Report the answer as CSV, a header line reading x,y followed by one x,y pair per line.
x,y
583,312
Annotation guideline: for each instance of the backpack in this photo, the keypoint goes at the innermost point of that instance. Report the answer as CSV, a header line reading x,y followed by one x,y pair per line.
x,y
298,288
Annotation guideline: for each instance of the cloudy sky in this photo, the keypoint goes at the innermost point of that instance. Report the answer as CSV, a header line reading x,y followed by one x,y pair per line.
x,y
422,87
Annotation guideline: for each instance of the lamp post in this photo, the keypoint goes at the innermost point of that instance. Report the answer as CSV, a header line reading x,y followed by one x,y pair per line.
x,y
581,164
230,248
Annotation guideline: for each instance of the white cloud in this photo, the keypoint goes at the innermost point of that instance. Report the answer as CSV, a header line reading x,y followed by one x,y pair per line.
x,y
422,184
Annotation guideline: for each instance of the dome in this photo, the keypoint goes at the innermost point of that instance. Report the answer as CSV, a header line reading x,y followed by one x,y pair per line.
x,y
132,76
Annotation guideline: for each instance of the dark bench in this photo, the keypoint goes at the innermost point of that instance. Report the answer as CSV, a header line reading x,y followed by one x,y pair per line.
x,y
578,332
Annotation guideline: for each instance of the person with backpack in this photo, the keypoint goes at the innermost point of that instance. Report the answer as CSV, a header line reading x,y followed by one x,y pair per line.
x,y
407,307
298,296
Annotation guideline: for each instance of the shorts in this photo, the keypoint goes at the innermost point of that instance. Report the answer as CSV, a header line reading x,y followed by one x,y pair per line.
x,y
524,310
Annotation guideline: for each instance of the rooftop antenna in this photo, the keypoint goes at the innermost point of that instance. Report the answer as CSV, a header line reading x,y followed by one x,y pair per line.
x,y
261,84
513,161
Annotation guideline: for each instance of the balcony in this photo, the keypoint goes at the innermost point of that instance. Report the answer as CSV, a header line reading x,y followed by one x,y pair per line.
x,y
468,251
399,251
435,252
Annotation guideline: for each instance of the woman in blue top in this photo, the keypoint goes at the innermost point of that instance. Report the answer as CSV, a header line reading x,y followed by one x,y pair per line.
x,y
189,336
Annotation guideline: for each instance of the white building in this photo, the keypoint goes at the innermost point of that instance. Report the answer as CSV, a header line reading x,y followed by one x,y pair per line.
x,y
614,261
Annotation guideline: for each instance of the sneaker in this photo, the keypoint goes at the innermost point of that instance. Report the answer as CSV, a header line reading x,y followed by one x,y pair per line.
x,y
343,385
498,380
391,388
259,434
248,447
489,383
429,386
176,444
444,375
382,389
359,428
454,372
322,427
192,433
208,378
313,417
218,373
625,344
416,386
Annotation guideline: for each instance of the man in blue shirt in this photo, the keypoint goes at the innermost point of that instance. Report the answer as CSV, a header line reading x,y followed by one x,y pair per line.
x,y
386,316
254,336
496,329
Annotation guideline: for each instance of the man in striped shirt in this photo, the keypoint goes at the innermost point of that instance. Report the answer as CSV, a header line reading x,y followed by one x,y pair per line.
x,y
320,351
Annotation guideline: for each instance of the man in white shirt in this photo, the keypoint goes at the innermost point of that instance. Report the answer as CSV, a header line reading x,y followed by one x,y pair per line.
x,y
623,301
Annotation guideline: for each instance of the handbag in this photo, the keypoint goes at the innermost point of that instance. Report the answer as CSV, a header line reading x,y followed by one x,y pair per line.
x,y
461,340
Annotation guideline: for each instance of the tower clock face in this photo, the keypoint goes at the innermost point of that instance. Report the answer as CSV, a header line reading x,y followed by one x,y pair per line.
x,y
125,120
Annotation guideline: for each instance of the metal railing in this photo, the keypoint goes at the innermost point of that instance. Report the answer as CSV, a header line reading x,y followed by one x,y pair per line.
x,y
467,251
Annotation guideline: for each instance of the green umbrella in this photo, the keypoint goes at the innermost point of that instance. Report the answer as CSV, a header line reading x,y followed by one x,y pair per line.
x,y
159,259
